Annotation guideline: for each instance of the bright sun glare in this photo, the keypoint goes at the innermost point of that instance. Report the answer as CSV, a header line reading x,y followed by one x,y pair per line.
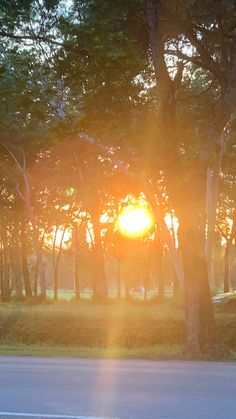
x,y
135,221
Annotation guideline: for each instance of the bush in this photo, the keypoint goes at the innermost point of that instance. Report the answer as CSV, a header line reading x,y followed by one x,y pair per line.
x,y
69,327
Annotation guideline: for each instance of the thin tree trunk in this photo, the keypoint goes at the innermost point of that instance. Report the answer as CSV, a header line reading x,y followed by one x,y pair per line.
x,y
76,265
55,276
6,290
158,252
93,278
119,278
36,280
228,246
25,195
175,278
56,261
15,258
15,272
99,258
1,267
161,287
127,295
226,265
145,288
40,265
213,177
24,262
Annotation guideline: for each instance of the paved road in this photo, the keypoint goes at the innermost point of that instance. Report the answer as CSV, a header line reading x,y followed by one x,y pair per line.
x,y
116,389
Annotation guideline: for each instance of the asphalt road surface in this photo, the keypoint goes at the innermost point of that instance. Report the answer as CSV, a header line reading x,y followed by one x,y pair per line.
x,y
64,388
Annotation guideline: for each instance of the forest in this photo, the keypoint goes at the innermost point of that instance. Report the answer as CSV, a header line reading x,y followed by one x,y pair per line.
x,y
117,153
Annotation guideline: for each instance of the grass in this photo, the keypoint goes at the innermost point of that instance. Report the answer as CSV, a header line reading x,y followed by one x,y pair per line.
x,y
87,294
90,309
93,330
151,352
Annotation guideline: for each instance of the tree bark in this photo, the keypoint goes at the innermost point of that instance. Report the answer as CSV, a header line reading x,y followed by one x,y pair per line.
x,y
6,289
119,277
200,325
56,261
226,265
158,252
1,267
228,246
37,247
15,257
76,264
188,200
213,176
175,278
24,262
99,266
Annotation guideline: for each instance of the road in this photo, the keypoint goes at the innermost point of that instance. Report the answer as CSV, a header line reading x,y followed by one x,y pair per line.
x,y
31,387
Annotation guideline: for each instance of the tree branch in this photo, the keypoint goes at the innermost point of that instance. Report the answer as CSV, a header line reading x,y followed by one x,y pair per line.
x,y
150,195
189,59
83,53
205,56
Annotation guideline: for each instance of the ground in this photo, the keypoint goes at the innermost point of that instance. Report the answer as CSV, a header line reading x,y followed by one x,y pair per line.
x,y
112,330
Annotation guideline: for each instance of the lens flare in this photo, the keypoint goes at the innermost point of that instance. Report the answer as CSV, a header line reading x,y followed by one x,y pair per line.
x,y
70,191
135,221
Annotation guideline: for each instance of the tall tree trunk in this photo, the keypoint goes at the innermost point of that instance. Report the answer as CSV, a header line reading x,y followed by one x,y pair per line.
x,y
35,279
76,264
226,265
127,294
38,251
56,261
36,242
119,277
145,287
15,257
99,258
213,177
160,277
175,278
228,246
156,253
24,261
15,272
93,277
1,266
200,324
25,195
6,289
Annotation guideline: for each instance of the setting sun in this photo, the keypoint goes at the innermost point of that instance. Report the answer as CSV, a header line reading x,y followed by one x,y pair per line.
x,y
135,221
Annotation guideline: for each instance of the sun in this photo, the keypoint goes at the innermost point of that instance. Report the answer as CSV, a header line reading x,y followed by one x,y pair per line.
x,y
135,221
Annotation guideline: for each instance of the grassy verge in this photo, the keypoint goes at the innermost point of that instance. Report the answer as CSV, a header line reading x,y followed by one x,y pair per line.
x,y
150,352
155,352
121,330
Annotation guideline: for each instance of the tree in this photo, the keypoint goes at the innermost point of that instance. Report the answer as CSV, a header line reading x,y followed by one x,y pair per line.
x,y
107,73
211,44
